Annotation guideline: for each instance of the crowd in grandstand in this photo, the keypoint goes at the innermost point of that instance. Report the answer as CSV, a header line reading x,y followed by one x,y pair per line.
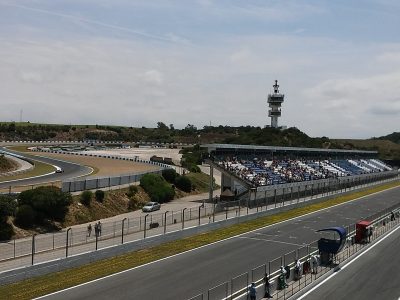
x,y
267,172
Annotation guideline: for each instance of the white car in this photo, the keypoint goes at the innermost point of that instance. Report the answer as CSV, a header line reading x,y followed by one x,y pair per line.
x,y
151,206
59,170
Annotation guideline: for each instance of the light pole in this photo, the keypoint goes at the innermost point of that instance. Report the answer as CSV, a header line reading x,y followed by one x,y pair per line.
x,y
122,235
200,212
33,246
145,225
183,218
67,242
165,221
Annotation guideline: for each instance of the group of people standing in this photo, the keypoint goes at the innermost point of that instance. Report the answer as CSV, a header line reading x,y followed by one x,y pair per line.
x,y
97,229
309,266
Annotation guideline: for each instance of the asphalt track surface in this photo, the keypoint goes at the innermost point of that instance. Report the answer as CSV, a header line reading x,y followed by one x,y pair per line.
x,y
188,274
374,275
71,170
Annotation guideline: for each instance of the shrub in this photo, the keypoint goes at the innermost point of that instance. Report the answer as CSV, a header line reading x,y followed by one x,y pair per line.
x,y
194,169
6,231
86,197
7,208
183,183
99,195
157,188
169,175
25,216
47,201
132,191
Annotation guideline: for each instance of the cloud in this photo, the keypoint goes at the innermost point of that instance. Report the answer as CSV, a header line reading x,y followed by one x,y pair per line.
x,y
153,76
135,63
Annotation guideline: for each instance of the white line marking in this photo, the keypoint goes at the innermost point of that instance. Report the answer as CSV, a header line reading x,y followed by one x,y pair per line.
x,y
212,244
349,263
274,241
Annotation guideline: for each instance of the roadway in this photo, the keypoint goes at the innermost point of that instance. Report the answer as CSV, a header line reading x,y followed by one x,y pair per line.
x,y
188,274
375,274
71,170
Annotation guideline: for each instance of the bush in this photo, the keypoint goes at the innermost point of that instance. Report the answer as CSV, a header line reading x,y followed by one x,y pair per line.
x,y
99,195
25,216
183,183
194,169
157,188
169,175
86,197
7,208
132,191
47,201
6,231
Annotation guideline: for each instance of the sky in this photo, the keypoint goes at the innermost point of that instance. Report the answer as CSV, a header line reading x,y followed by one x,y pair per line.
x,y
134,63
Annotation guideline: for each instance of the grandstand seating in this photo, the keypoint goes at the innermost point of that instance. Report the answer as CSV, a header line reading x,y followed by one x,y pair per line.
x,y
261,172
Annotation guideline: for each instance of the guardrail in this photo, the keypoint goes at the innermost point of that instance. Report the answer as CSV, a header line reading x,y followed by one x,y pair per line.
x,y
238,287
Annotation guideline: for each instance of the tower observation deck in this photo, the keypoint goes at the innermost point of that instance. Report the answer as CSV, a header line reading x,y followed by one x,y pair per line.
x,y
275,102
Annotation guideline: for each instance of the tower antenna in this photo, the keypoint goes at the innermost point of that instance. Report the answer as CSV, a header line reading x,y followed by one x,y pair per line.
x,y
275,102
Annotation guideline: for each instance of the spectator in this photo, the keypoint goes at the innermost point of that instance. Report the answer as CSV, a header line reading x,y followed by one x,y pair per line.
x,y
89,230
252,291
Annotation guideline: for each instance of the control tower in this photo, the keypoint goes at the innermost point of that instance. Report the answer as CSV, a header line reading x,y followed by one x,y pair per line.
x,y
275,101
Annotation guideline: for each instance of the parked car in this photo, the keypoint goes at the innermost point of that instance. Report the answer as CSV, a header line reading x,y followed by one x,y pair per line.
x,y
151,206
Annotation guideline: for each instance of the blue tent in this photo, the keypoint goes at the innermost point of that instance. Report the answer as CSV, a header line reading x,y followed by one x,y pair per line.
x,y
332,246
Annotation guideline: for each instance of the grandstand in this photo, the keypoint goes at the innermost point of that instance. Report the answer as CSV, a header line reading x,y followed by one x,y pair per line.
x,y
257,166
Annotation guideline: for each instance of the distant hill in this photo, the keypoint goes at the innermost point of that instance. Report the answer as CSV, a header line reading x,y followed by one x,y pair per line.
x,y
394,137
251,135
387,149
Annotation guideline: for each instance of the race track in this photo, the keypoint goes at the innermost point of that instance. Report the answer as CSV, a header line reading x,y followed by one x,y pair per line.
x,y
193,272
71,170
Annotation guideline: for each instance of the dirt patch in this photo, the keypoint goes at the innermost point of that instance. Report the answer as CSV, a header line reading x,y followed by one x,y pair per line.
x,y
103,166
7,165
115,203
143,153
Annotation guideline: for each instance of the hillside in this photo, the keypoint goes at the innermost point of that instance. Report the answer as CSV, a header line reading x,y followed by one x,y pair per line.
x,y
393,137
6,164
387,149
291,137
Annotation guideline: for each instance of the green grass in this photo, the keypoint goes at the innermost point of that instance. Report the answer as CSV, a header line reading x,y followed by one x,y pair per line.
x,y
201,181
42,285
19,148
39,169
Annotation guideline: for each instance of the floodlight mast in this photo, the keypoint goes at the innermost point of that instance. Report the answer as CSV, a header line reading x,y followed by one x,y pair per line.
x,y
275,102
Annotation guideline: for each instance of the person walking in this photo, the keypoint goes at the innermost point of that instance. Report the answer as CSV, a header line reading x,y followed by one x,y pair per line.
x,y
252,291
89,230
96,229
267,286
99,228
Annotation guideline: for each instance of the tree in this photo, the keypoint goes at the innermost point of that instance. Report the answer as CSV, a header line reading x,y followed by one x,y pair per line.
x,y
47,201
171,127
183,183
25,216
169,175
99,195
162,126
7,208
86,198
157,188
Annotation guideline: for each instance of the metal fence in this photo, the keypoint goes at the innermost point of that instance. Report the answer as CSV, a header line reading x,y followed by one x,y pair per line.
x,y
238,287
79,239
